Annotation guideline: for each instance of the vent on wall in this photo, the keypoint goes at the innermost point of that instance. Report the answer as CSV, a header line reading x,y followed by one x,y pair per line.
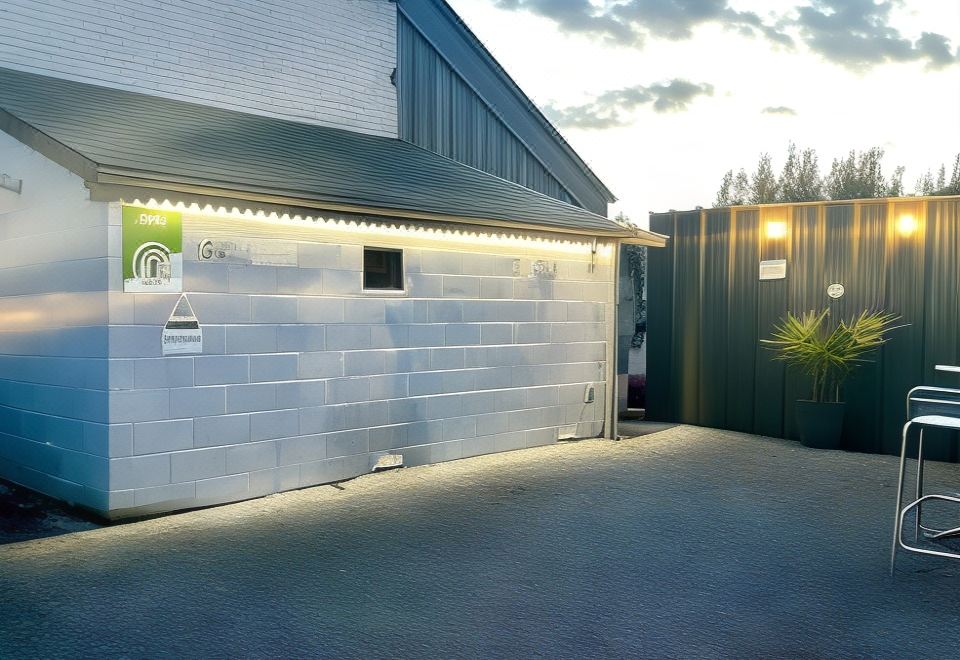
x,y
15,185
388,462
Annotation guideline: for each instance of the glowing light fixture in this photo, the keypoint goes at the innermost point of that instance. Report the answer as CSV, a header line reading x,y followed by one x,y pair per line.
x,y
907,225
399,229
776,229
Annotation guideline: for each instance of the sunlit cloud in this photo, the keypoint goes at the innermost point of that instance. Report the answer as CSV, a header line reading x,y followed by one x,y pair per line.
x,y
856,34
616,107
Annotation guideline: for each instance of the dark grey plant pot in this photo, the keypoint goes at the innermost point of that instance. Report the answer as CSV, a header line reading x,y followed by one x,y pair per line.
x,y
820,424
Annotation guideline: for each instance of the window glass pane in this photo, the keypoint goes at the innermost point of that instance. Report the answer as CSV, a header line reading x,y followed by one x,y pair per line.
x,y
382,269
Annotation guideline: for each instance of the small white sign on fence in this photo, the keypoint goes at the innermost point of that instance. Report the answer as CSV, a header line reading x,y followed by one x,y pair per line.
x,y
774,269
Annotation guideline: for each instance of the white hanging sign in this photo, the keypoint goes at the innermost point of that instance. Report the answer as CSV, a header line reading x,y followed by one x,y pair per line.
x,y
835,291
182,334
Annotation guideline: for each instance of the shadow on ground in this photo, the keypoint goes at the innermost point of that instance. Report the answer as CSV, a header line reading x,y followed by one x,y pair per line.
x,y
686,543
26,515
637,427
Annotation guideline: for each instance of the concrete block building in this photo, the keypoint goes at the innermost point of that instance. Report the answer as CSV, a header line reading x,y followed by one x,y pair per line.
x,y
253,247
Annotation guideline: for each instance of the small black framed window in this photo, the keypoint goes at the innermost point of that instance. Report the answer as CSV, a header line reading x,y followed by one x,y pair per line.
x,y
382,269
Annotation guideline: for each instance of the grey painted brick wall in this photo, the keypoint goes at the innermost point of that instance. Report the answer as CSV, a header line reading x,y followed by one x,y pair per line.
x,y
307,379
321,61
54,371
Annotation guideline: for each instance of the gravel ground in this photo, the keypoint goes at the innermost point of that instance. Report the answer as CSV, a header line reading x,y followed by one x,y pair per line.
x,y
686,543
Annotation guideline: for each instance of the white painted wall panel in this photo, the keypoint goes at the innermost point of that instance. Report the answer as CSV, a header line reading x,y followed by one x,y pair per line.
x,y
54,371
321,61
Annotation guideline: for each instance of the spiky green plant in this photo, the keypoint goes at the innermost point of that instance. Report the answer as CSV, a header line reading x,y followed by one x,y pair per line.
x,y
828,356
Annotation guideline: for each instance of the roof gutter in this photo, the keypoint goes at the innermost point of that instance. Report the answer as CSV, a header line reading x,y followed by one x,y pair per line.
x,y
111,187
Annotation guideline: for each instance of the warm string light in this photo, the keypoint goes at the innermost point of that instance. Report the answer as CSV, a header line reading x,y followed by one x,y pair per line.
x,y
402,230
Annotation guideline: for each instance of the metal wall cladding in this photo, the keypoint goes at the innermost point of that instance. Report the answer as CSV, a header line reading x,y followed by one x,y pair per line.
x,y
441,113
708,311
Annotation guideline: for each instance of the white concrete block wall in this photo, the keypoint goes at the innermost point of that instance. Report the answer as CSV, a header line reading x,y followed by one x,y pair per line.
x,y
54,371
307,379
320,61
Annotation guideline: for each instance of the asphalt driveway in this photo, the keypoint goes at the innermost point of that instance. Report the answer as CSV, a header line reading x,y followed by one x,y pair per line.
x,y
686,543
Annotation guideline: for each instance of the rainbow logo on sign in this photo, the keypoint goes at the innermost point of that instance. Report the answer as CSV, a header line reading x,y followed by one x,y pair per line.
x,y
152,250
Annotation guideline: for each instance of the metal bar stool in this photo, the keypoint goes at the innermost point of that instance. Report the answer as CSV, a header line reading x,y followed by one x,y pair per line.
x,y
927,407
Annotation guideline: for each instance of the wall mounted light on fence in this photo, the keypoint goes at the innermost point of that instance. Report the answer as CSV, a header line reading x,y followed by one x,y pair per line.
x,y
907,225
776,229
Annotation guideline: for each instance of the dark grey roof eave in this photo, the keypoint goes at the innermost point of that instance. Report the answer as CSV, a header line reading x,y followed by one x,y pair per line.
x,y
45,145
105,181
70,122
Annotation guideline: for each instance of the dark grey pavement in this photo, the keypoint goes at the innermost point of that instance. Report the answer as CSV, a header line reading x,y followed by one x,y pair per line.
x,y
634,428
686,543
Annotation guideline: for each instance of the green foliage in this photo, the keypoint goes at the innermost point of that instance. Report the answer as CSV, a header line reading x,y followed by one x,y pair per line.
x,y
763,185
741,187
724,195
927,185
953,188
636,256
800,180
895,186
734,190
858,175
828,356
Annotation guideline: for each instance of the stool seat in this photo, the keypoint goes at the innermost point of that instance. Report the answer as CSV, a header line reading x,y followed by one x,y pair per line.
x,y
938,420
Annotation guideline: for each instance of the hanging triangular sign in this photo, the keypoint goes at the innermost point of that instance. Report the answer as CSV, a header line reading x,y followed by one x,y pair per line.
x,y
182,334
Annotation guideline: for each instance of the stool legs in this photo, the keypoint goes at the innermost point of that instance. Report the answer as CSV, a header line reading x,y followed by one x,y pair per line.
x,y
896,517
916,531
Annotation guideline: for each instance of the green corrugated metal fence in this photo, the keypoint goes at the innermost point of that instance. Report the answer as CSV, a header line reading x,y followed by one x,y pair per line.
x,y
708,310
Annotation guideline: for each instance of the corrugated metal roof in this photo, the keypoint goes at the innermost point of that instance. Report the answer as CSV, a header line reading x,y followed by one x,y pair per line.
x,y
125,134
464,47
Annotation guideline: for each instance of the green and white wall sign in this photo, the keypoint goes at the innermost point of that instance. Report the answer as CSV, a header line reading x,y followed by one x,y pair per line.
x,y
152,250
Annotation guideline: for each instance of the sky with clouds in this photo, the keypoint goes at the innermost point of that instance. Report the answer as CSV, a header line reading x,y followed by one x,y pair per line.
x,y
661,97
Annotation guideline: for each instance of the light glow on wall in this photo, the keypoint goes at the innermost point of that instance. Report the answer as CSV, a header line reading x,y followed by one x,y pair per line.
x,y
395,228
907,225
775,229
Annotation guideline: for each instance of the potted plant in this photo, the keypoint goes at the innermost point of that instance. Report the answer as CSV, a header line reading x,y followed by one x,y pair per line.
x,y
828,356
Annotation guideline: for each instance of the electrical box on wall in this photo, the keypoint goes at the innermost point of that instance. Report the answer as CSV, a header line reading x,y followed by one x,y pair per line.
x,y
589,394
